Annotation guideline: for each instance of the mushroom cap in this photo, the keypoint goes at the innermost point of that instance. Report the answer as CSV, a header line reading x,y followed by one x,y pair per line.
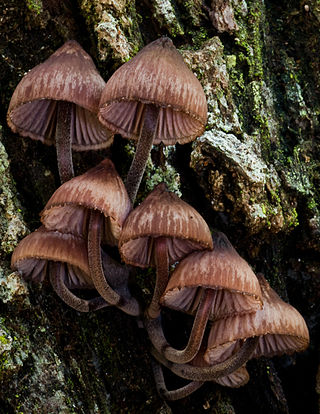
x,y
70,75
30,258
279,325
162,214
156,75
237,288
100,188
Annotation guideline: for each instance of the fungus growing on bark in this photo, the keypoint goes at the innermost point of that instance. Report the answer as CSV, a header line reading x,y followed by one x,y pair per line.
x,y
62,257
160,231
209,285
94,206
279,328
153,98
57,102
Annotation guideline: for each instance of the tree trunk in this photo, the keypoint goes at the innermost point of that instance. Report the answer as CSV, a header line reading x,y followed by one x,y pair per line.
x,y
254,174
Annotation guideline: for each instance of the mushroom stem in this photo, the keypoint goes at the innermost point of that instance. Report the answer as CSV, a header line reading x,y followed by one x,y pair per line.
x,y
172,395
185,355
144,145
212,372
118,273
162,266
63,141
56,276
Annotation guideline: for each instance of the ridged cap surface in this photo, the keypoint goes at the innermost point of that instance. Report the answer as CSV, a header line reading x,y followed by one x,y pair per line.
x,y
237,288
157,75
100,188
31,257
162,214
70,75
279,325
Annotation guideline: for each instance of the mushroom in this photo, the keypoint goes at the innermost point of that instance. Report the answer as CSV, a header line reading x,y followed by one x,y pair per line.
x,y
62,257
153,98
210,285
57,102
279,328
94,206
160,231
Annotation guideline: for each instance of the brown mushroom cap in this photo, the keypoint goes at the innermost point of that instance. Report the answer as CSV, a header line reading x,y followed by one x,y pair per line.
x,y
237,289
162,214
70,75
32,254
100,188
156,75
279,325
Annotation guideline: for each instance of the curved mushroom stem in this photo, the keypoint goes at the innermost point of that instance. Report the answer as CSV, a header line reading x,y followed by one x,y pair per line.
x,y
118,273
172,395
63,141
162,266
56,276
144,145
212,372
159,341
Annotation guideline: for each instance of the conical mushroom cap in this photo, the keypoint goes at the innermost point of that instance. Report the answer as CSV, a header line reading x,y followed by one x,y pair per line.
x,y
31,256
162,214
279,325
237,289
100,188
69,75
156,75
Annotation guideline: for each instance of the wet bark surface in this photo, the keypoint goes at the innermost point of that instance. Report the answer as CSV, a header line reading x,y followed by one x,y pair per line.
x,y
254,174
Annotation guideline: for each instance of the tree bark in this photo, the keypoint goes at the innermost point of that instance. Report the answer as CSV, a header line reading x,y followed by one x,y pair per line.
x,y
254,174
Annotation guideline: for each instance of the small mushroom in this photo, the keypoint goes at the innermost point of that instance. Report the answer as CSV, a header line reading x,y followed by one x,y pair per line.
x,y
62,257
160,231
153,98
94,206
210,285
57,102
279,328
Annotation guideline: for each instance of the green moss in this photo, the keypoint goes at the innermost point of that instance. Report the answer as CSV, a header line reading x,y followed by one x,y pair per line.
x,y
199,36
35,6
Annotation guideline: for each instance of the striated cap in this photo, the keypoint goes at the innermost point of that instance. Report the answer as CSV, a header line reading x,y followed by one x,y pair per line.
x,y
237,289
100,188
156,75
279,325
162,214
30,258
70,75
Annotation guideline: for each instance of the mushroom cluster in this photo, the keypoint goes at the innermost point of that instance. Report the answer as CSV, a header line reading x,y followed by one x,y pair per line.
x,y
153,98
